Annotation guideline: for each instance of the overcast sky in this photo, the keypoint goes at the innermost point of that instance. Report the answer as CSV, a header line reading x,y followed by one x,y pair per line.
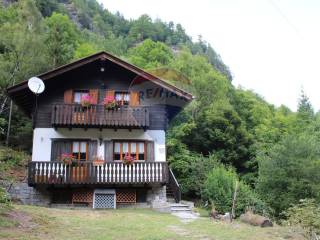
x,y
271,46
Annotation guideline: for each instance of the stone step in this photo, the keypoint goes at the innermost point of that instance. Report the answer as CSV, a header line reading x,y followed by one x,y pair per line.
x,y
179,205
181,210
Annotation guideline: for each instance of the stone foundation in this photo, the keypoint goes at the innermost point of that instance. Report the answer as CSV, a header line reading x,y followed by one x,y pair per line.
x,y
157,199
21,192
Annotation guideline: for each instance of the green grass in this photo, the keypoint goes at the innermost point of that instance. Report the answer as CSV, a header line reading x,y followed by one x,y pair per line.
x,y
129,224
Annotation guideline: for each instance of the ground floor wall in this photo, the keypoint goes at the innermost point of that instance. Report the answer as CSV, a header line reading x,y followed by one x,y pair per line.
x,y
154,197
42,139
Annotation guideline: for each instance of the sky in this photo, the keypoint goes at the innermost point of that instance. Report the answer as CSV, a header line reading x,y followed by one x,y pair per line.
x,y
271,46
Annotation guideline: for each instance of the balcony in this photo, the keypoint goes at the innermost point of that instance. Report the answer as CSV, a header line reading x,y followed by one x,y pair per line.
x,y
96,116
87,173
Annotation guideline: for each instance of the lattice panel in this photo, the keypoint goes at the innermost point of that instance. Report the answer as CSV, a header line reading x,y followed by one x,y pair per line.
x,y
127,196
104,200
82,196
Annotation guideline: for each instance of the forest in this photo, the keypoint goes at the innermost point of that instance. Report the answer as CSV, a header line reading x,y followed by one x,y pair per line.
x,y
226,134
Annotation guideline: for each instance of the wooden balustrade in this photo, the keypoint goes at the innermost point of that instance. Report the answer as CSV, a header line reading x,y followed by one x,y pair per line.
x,y
74,115
106,173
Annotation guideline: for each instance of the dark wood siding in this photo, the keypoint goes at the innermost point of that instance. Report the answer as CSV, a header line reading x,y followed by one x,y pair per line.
x,y
90,77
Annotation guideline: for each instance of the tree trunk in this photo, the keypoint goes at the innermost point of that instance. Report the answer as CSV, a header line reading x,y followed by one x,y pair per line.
x,y
255,220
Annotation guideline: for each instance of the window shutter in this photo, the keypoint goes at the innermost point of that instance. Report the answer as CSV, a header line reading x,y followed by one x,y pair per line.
x,y
150,151
94,95
134,99
68,96
92,150
110,93
108,151
59,147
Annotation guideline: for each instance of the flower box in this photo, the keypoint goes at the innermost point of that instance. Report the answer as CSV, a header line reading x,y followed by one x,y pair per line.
x,y
128,159
98,162
67,158
110,103
86,101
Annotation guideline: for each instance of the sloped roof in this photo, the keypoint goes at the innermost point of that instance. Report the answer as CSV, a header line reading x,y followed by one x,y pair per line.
x,y
102,56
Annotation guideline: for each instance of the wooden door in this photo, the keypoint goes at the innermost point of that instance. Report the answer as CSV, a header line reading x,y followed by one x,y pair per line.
x,y
80,168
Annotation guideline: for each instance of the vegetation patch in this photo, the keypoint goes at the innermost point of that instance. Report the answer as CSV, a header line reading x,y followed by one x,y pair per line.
x,y
129,224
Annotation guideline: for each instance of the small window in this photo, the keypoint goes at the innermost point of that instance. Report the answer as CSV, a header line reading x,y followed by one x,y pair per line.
x,y
122,98
80,150
135,148
77,95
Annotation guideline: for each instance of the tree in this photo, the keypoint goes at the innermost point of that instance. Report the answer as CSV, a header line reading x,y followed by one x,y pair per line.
x,y
141,29
150,54
22,53
305,111
84,50
61,38
290,171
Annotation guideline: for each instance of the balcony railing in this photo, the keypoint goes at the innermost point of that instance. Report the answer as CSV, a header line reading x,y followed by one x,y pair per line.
x,y
88,173
74,115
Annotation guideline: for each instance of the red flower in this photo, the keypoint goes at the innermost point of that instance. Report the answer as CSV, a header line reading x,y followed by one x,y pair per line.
x,y
128,159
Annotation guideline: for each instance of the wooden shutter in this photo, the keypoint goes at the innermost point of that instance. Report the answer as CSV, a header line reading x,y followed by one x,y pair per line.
x,y
110,93
94,93
68,96
150,151
134,99
108,151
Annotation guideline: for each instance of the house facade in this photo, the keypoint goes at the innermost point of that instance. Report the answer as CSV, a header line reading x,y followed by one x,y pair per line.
x,y
100,133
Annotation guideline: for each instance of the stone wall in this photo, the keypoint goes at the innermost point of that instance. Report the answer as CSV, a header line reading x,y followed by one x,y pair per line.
x,y
157,198
22,193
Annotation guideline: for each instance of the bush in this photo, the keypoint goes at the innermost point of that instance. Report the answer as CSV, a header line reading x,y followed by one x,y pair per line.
x,y
290,171
10,159
189,168
306,215
219,188
4,199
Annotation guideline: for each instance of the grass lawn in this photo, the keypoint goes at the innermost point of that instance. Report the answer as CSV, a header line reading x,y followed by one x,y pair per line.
x,y
29,222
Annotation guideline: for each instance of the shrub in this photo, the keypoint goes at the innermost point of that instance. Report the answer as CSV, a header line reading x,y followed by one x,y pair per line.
x,y
290,171
10,159
306,215
4,199
219,189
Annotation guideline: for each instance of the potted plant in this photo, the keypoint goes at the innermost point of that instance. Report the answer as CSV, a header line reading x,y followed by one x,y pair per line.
x,y
97,161
67,158
86,100
110,103
128,159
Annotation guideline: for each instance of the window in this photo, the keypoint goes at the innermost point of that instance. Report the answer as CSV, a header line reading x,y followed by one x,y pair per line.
x,y
136,149
77,95
80,150
122,98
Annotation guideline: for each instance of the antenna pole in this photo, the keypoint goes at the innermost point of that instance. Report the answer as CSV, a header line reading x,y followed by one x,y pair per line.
x,y
9,124
34,118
